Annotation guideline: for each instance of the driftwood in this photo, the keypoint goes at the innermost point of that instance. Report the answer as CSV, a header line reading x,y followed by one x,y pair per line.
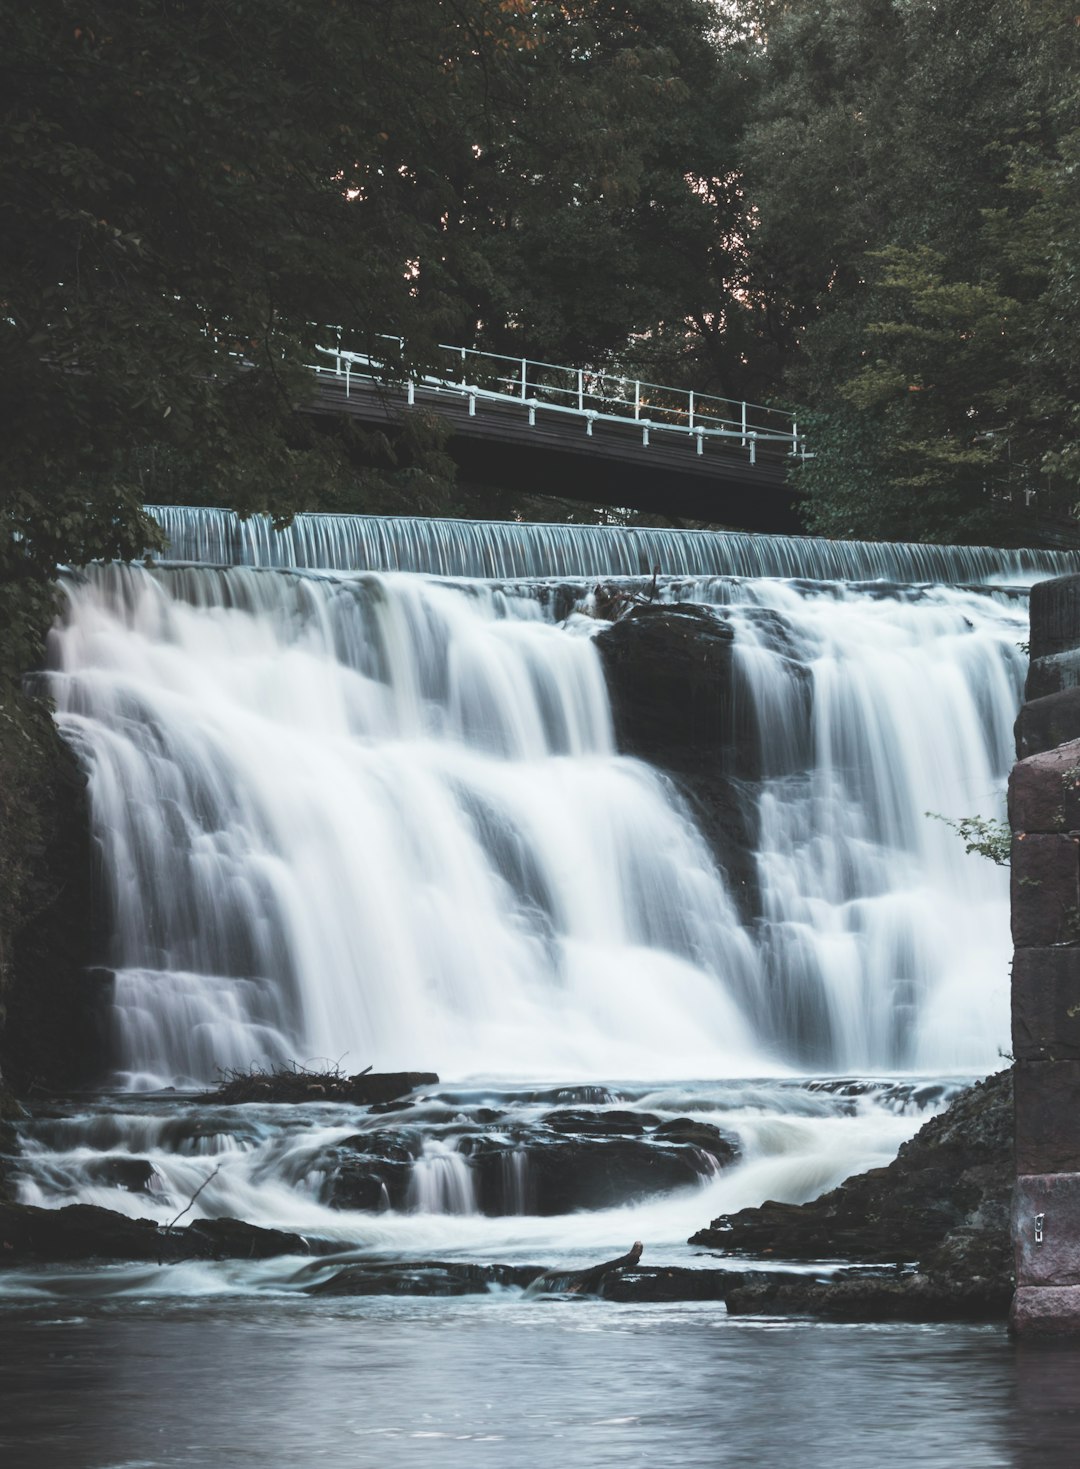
x,y
586,1282
294,1083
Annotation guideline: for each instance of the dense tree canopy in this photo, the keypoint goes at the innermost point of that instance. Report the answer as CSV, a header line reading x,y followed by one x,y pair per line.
x,y
189,188
909,164
865,209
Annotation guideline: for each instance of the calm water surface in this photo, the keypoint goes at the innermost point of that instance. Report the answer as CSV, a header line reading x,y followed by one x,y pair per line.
x,y
505,1381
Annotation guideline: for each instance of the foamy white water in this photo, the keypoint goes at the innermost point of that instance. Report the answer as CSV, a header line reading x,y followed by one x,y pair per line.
x,y
381,818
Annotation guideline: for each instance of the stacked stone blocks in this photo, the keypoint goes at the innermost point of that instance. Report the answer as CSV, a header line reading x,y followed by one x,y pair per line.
x,y
1044,812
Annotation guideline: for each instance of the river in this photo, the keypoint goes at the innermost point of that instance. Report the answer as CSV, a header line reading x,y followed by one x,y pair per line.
x,y
358,799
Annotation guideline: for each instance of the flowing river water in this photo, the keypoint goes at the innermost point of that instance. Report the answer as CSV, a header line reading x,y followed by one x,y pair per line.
x,y
357,800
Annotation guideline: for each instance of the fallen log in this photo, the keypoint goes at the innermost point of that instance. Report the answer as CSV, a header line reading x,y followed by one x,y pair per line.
x,y
585,1282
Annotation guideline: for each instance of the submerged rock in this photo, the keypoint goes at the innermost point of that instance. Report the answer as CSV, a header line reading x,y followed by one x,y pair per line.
x,y
943,1202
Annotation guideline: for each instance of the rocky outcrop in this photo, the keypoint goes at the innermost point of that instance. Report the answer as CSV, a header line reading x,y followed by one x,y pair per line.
x,y
569,1160
942,1205
51,1031
671,679
86,1232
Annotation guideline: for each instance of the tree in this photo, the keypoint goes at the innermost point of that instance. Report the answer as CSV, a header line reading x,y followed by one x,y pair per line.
x,y
913,213
190,189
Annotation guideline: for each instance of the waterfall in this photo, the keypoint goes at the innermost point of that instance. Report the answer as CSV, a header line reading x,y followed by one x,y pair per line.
x,y
513,550
380,818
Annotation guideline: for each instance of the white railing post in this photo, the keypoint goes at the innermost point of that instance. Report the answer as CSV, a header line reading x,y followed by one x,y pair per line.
x,y
464,375
700,434
412,393
348,365
645,434
794,438
637,400
691,410
532,412
744,425
580,391
524,379
472,405
589,420
753,446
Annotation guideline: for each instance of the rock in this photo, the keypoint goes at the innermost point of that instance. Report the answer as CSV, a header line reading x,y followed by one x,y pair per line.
x,y
370,1171
671,680
911,1297
704,1135
943,1202
677,703
50,1024
234,1239
601,1124
643,1283
424,1278
86,1232
563,1172
134,1175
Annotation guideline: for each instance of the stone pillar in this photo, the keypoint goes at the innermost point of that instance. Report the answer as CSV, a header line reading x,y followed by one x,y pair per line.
x,y
1044,811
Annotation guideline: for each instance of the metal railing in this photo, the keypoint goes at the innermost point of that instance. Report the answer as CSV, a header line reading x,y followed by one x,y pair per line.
x,y
590,395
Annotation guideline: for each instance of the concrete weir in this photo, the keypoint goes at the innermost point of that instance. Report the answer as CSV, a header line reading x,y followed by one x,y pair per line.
x,y
1044,812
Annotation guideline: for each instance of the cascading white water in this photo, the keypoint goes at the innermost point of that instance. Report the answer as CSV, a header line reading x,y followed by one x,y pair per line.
x,y
382,818
491,548
876,716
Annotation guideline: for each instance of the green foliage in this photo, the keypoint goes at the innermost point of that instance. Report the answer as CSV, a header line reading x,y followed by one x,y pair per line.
x,y
188,188
992,839
916,228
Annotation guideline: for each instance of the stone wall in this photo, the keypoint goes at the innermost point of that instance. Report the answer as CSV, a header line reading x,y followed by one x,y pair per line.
x,y
1044,812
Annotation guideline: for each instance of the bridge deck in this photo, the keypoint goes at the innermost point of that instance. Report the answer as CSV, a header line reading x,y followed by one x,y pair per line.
x,y
495,443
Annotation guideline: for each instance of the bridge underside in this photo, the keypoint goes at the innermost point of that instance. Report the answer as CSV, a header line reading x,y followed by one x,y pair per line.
x,y
497,445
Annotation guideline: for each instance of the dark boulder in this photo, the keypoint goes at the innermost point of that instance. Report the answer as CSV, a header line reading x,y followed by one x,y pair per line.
x,y
677,702
133,1175
424,1278
86,1232
898,1296
370,1171
943,1202
612,1123
564,1172
670,676
724,1148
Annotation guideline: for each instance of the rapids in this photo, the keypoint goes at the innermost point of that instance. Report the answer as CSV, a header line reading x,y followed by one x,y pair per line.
x,y
355,814
380,818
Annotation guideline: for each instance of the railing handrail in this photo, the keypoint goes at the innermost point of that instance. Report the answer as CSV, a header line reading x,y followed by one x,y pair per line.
x,y
693,413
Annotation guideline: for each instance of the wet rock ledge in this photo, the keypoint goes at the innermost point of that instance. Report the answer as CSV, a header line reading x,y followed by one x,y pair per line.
x,y
935,1222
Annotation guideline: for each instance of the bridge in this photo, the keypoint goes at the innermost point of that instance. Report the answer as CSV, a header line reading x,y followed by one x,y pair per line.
x,y
586,434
